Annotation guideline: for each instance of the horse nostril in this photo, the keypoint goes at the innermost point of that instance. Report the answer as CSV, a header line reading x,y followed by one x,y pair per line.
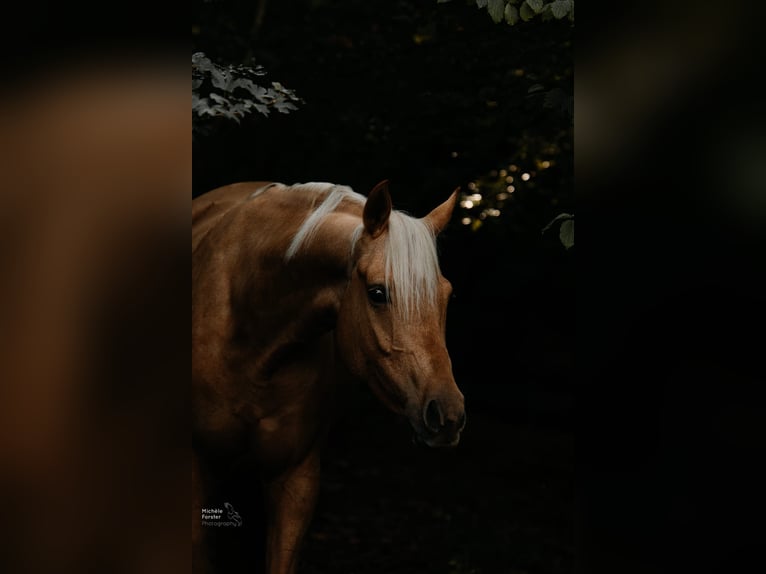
x,y
433,416
461,421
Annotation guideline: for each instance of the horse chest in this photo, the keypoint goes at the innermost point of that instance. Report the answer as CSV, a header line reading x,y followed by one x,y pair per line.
x,y
281,440
278,443
296,409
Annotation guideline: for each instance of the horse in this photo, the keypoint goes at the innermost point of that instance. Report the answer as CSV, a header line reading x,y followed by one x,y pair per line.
x,y
298,290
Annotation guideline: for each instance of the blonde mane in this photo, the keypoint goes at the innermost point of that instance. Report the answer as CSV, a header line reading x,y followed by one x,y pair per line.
x,y
411,260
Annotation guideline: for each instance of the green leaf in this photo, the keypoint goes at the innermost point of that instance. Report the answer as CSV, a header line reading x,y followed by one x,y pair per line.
x,y
496,9
560,8
201,62
284,107
566,233
219,99
536,5
218,77
559,217
511,14
526,12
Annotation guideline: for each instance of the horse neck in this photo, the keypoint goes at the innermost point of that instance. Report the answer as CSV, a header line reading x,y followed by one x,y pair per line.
x,y
298,300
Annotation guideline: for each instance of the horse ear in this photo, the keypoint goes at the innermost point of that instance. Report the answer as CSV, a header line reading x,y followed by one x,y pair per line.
x,y
441,215
377,209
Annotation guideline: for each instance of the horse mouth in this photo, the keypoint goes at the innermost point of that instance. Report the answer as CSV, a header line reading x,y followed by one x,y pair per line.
x,y
396,400
433,440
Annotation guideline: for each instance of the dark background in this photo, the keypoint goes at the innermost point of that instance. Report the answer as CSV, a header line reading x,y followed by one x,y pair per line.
x,y
431,97
670,289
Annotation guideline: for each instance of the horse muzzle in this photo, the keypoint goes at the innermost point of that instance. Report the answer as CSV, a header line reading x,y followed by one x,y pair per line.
x,y
440,425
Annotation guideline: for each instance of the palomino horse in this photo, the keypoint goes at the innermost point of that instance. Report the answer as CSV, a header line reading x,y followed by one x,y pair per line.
x,y
293,289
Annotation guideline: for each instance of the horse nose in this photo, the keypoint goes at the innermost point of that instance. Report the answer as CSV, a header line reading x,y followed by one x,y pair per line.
x,y
433,416
436,420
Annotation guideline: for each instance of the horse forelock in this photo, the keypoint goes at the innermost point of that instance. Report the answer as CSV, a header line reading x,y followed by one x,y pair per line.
x,y
411,264
411,260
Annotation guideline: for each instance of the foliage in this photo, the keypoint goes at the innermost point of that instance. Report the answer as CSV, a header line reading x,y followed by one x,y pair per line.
x,y
514,10
527,189
430,98
555,99
522,189
230,91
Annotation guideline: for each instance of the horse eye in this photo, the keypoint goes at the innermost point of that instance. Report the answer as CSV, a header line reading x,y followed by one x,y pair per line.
x,y
378,294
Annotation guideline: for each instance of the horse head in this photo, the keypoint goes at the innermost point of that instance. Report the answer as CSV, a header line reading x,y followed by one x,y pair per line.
x,y
392,321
